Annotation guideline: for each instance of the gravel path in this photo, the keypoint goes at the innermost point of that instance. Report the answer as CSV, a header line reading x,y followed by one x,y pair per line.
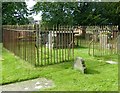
x,y
30,85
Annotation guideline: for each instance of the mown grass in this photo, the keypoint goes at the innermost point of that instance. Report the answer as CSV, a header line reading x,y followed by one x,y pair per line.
x,y
44,56
100,76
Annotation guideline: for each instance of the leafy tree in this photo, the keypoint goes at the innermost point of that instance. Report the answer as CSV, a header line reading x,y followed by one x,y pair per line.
x,y
82,13
14,13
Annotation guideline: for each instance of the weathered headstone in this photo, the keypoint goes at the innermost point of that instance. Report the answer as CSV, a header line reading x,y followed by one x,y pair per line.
x,y
103,41
50,39
111,62
79,64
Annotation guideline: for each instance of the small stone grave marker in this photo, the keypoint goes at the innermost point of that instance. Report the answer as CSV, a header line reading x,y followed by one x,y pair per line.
x,y
49,44
112,62
103,41
79,64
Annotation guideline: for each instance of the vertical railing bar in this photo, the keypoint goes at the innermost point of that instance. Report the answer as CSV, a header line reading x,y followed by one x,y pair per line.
x,y
106,31
37,42
45,55
30,43
53,44
13,43
65,42
68,41
30,37
103,40
25,50
93,38
20,44
7,38
21,27
57,42
10,40
32,40
43,48
40,28
67,36
16,41
55,47
26,43
101,44
34,46
48,46
73,44
69,47
62,43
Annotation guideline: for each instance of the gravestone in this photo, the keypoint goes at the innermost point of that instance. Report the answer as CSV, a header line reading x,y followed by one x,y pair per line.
x,y
79,64
111,62
103,41
49,44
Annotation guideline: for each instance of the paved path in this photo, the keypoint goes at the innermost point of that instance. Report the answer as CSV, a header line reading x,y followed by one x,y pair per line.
x,y
30,85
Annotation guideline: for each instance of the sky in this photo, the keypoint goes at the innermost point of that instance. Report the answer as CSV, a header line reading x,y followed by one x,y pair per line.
x,y
30,4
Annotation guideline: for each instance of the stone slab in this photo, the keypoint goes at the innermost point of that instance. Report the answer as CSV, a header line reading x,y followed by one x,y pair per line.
x,y
30,85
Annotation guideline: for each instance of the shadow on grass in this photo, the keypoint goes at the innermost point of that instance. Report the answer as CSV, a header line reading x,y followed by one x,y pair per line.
x,y
60,63
77,47
91,71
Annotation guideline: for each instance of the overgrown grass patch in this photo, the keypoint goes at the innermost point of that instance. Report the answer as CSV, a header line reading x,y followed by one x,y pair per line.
x,y
100,76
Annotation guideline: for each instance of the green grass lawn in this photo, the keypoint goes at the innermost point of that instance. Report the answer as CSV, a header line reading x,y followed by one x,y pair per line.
x,y
100,76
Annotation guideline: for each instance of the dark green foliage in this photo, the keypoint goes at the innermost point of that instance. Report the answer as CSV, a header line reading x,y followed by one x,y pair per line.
x,y
14,13
82,13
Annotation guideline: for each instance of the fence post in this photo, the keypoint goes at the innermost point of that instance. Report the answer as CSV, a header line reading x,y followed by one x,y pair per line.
x,y
37,42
